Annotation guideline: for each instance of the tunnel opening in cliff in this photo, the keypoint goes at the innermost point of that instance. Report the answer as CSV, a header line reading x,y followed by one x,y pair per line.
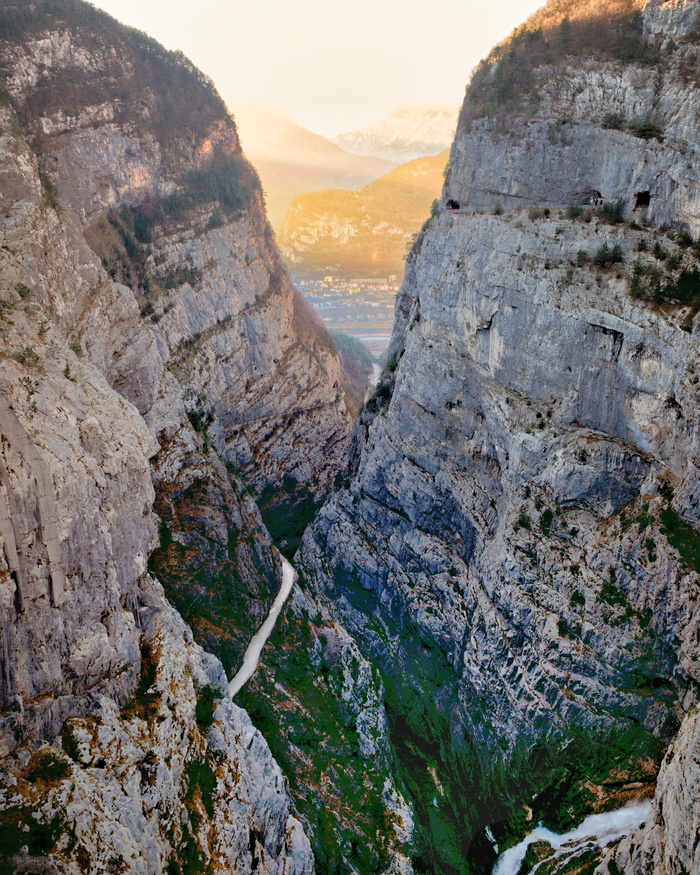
x,y
642,199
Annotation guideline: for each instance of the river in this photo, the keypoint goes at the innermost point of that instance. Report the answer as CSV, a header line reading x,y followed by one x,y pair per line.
x,y
257,642
599,829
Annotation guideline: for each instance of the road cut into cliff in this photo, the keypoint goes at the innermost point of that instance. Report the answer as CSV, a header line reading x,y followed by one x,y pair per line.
x,y
257,642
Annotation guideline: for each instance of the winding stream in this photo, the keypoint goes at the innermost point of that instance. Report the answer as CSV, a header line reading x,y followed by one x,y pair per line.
x,y
599,829
257,642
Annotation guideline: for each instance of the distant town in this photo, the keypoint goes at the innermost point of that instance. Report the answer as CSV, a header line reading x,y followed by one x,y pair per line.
x,y
362,307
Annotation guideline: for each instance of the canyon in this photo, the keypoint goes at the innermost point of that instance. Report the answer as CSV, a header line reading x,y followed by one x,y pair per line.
x,y
495,619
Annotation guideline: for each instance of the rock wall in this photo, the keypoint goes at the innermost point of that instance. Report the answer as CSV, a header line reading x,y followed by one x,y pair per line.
x,y
183,360
137,142
198,327
140,766
515,547
617,129
116,755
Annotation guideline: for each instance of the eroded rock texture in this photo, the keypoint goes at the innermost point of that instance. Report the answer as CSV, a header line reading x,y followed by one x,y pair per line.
x,y
516,548
137,142
192,319
117,753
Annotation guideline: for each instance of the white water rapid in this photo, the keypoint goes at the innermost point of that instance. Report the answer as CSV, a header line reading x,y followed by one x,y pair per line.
x,y
599,829
257,642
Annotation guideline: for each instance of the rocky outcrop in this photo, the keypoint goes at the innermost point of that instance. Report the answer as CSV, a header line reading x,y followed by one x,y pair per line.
x,y
618,127
235,388
76,484
176,778
664,845
516,545
320,703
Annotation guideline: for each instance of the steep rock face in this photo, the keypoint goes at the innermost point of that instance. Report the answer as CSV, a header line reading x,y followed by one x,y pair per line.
x,y
617,129
232,376
75,484
141,147
511,546
666,843
157,783
148,770
320,703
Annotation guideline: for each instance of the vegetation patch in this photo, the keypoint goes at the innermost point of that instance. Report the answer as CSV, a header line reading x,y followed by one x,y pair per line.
x,y
607,256
380,399
523,521
546,520
182,101
189,859
19,827
206,705
221,586
683,537
286,513
45,769
201,781
612,213
506,81
591,759
677,285
313,736
30,358
228,180
145,703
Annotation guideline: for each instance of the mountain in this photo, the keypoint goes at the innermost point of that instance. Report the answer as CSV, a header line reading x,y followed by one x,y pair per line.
x,y
517,542
411,131
362,233
158,373
292,160
496,617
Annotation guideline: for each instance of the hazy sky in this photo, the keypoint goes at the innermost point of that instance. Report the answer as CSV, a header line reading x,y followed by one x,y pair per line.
x,y
332,65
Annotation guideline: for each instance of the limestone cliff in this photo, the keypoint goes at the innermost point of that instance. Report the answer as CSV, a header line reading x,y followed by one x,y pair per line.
x,y
516,547
140,146
236,392
117,753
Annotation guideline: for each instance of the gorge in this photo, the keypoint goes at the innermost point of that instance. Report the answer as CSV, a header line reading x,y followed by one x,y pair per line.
x,y
495,618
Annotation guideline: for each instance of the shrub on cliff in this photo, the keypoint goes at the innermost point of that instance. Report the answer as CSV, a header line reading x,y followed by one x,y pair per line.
x,y
607,256
135,69
506,80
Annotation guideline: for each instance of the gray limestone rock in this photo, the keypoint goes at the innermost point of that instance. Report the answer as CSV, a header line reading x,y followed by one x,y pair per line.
x,y
507,546
106,761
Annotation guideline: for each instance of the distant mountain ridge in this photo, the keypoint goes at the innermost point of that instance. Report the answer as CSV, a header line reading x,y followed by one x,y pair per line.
x,y
414,130
292,160
365,232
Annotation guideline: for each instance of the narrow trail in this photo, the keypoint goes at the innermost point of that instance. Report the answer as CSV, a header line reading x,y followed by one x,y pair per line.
x,y
257,642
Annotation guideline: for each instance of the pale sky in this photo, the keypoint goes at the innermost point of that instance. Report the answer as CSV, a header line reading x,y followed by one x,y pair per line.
x,y
331,65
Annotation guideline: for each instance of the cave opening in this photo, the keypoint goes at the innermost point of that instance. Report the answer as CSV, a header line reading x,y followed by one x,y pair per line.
x,y
642,199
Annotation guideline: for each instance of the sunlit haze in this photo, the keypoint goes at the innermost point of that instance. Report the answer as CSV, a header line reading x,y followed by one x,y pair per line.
x,y
335,66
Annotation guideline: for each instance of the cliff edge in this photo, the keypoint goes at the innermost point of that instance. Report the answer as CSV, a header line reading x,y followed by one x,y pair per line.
x,y
517,545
